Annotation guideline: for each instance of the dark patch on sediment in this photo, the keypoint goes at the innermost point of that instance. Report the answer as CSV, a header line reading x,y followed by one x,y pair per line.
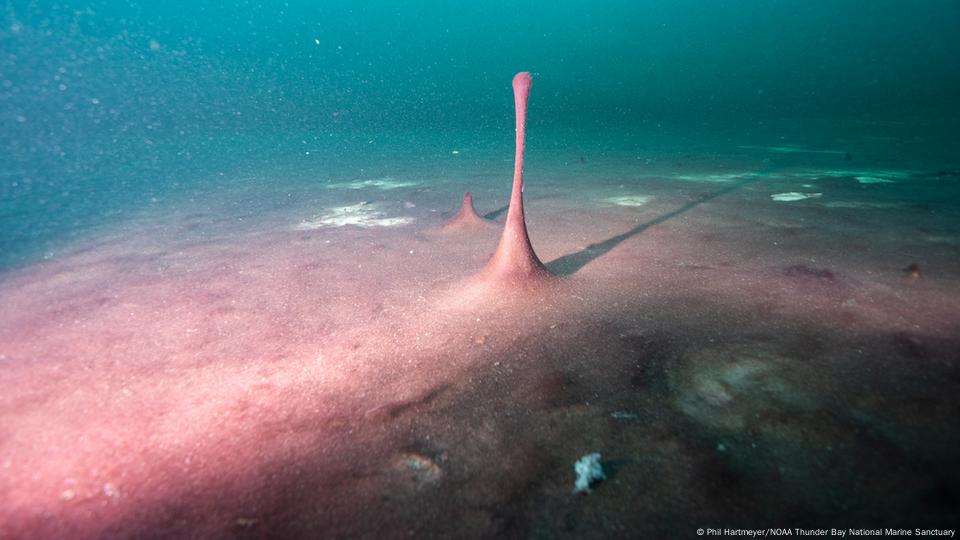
x,y
943,174
718,478
559,389
651,353
399,408
802,432
913,270
808,272
507,505
910,345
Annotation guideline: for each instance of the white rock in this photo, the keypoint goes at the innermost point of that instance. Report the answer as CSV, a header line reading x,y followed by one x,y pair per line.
x,y
791,196
588,471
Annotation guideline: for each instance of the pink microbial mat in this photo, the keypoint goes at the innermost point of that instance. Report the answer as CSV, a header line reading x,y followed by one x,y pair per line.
x,y
738,332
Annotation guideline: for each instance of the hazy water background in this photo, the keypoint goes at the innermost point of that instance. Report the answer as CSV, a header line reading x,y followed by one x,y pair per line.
x,y
108,107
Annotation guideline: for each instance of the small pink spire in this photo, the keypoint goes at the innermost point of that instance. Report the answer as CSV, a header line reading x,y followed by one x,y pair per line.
x,y
467,217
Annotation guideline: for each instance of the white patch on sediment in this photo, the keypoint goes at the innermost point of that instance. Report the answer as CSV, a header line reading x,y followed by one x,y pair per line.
x,y
861,205
791,196
790,149
873,180
628,200
360,215
711,178
385,183
868,176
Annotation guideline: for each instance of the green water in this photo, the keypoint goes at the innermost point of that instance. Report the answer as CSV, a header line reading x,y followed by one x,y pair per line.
x,y
107,106
227,309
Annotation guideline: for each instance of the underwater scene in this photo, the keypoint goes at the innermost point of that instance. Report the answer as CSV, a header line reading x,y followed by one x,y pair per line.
x,y
501,269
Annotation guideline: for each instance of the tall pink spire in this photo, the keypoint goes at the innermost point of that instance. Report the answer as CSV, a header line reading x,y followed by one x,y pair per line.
x,y
514,262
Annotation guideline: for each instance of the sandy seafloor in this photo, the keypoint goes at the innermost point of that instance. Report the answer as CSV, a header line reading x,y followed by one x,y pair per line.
x,y
224,361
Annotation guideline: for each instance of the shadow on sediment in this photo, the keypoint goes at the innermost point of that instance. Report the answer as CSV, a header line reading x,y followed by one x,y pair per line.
x,y
496,213
570,264
493,215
